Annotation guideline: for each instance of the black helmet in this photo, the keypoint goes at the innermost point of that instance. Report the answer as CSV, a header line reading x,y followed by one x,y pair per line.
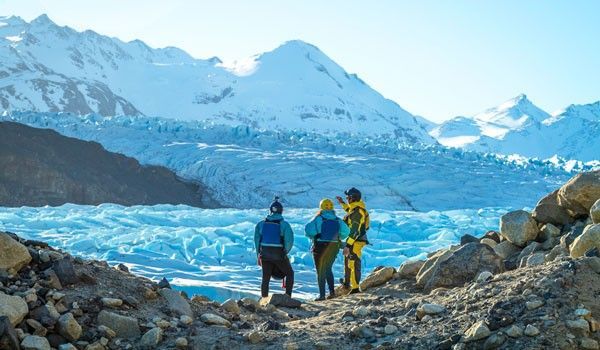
x,y
353,193
276,207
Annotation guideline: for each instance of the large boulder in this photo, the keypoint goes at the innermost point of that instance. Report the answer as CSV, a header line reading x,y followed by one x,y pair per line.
x,y
589,239
410,268
124,327
13,255
282,300
462,266
377,278
595,212
518,227
580,193
547,210
14,307
505,249
427,269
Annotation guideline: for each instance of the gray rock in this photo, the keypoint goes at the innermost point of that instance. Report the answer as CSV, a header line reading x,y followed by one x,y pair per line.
x,y
547,210
176,302
514,331
430,265
580,193
484,276
13,255
181,343
68,327
67,346
410,268
213,319
465,239
595,212
112,302
575,231
534,304
579,325
505,249
33,342
360,311
531,331
377,278
281,300
7,331
461,266
535,259
531,248
557,251
518,227
494,341
14,307
230,305
429,309
477,331
589,344
123,326
549,230
151,338
390,329
255,337
65,271
589,239
489,242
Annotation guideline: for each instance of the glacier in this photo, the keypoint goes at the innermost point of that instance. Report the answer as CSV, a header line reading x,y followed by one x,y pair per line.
x,y
244,167
211,252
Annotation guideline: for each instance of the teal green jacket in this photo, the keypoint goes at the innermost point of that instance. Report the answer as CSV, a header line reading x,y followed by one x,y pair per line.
x,y
313,228
286,232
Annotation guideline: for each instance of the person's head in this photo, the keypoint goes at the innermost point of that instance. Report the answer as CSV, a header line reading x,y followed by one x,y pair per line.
x,y
276,207
353,195
326,204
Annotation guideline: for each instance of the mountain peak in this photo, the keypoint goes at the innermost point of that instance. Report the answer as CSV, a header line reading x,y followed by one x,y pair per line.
x,y
42,20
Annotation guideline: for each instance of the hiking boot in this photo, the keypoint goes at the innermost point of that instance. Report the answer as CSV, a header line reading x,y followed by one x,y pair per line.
x,y
331,296
344,284
354,291
320,298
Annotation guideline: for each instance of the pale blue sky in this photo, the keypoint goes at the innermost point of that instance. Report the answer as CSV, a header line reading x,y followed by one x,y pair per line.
x,y
438,59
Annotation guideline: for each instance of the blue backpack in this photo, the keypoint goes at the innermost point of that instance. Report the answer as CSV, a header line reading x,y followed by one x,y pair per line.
x,y
330,230
271,234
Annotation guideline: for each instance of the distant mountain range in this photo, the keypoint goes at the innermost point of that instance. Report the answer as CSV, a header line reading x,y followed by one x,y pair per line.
x,y
48,68
45,67
517,126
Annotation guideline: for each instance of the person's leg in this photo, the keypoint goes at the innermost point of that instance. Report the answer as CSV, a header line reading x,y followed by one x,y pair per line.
x,y
355,264
267,270
318,257
286,268
329,258
347,271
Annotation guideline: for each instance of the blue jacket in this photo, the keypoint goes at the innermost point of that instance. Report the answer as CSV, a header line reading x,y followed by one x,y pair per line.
x,y
313,228
286,230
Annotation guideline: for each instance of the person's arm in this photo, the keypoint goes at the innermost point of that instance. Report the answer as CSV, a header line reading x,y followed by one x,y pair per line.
x,y
344,205
355,222
288,237
257,231
344,230
310,230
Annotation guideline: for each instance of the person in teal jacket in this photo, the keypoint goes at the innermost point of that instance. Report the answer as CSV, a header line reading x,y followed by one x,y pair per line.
x,y
273,239
327,232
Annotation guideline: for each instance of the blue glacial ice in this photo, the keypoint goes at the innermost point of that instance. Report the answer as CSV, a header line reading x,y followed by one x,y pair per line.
x,y
210,252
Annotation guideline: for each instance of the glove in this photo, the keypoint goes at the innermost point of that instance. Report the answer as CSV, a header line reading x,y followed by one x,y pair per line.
x,y
346,251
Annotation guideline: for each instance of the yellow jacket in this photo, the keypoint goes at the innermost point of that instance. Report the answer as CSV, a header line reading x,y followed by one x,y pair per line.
x,y
357,218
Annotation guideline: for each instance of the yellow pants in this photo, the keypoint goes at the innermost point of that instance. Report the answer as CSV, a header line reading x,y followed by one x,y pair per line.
x,y
352,264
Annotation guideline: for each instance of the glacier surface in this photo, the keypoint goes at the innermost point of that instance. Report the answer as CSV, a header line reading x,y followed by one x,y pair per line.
x,y
211,251
245,167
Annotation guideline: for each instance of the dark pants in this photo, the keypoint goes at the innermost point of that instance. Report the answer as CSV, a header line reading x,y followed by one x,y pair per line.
x,y
267,271
324,254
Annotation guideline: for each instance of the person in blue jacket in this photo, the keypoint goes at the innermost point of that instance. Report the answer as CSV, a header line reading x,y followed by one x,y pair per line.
x,y
273,239
327,232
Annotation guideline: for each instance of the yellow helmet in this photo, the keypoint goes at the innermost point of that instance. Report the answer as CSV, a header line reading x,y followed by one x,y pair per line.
x,y
326,204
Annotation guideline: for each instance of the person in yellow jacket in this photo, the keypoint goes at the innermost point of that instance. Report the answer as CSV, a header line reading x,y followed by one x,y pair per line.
x,y
357,218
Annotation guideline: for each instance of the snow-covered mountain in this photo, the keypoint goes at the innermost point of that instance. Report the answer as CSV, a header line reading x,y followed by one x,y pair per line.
x,y
46,67
517,126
